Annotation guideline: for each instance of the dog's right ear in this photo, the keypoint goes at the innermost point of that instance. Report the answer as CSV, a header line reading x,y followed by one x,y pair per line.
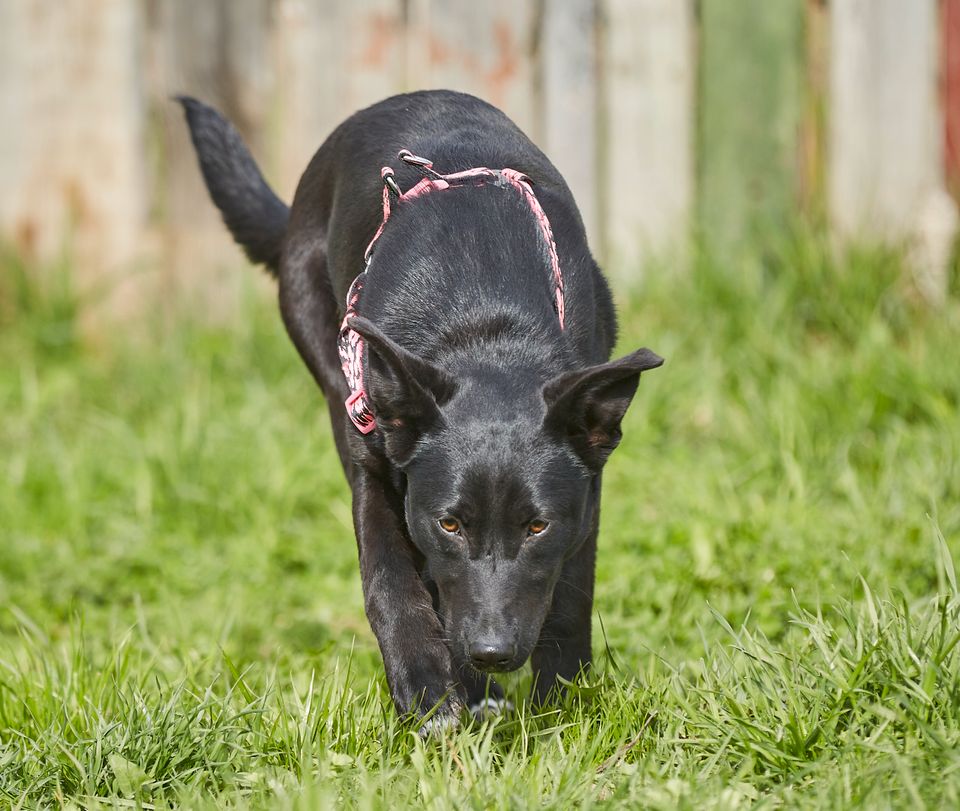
x,y
405,391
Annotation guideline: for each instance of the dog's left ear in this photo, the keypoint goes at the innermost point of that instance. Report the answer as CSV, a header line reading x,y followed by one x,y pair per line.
x,y
405,391
585,406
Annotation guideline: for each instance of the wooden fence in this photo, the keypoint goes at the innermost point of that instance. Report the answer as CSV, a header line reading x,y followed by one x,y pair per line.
x,y
668,117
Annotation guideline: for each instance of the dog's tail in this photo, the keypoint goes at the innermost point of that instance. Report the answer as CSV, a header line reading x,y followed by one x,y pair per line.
x,y
256,217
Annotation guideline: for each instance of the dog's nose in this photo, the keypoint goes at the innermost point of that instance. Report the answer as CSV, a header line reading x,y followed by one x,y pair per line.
x,y
492,654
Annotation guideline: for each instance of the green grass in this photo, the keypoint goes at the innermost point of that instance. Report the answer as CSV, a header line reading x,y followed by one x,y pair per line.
x,y
777,617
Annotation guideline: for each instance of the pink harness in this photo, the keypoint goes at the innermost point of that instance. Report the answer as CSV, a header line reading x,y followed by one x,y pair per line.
x,y
350,343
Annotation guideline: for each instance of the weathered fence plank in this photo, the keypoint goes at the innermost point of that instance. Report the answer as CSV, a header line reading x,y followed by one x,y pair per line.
x,y
950,28
647,130
568,102
750,112
480,48
884,128
71,162
886,170
332,59
812,175
213,51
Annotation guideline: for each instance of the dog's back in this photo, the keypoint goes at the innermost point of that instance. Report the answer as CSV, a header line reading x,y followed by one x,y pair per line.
x,y
336,202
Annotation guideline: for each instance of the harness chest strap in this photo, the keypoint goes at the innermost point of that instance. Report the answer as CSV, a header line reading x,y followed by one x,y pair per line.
x,y
350,343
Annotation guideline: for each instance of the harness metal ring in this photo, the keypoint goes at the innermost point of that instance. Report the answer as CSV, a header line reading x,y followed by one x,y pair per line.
x,y
414,160
392,184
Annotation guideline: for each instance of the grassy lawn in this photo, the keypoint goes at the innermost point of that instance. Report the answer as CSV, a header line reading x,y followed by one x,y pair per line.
x,y
777,616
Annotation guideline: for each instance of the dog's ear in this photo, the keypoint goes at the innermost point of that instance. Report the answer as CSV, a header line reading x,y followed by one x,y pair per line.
x,y
585,406
405,391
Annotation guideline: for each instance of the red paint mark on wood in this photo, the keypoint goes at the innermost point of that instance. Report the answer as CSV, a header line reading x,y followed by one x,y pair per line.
x,y
439,53
950,28
381,34
507,62
492,69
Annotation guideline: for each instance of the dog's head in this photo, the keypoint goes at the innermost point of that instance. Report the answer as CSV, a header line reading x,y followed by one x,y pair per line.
x,y
497,502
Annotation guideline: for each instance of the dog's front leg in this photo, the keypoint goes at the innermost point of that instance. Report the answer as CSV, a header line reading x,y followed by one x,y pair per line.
x,y
399,607
563,649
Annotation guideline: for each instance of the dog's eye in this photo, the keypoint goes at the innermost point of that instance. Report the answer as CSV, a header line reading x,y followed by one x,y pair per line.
x,y
449,524
536,527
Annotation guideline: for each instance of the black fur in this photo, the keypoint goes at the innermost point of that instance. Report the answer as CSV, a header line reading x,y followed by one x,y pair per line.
x,y
256,217
490,419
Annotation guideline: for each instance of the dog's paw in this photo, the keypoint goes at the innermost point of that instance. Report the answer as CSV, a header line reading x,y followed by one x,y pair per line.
x,y
443,721
490,708
439,726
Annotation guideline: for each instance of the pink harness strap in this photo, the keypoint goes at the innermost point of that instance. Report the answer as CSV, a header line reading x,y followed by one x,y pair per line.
x,y
350,343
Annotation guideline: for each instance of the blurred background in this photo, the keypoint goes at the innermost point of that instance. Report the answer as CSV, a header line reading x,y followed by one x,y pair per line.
x,y
717,119
772,187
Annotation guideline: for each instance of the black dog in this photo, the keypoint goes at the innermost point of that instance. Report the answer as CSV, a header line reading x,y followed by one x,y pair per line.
x,y
476,498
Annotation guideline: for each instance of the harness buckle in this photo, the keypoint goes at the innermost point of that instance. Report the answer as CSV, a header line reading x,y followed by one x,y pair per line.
x,y
414,160
389,182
